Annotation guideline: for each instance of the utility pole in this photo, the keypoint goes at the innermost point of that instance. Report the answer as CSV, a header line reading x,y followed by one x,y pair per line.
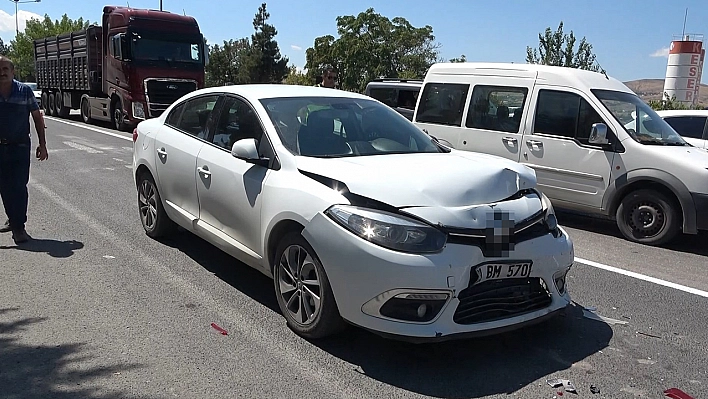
x,y
160,5
17,20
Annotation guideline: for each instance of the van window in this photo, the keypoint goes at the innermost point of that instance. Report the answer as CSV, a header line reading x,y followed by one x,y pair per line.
x,y
565,114
407,98
443,103
496,108
688,126
385,95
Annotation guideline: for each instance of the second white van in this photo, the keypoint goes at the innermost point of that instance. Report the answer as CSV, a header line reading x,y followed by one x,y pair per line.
x,y
576,129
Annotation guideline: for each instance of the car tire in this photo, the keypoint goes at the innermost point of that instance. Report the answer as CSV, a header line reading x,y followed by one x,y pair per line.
x,y
152,214
85,110
297,268
648,217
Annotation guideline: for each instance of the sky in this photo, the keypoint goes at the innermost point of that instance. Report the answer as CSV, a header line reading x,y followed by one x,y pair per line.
x,y
629,37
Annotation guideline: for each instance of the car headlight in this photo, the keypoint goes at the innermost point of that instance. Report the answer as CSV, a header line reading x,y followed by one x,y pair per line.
x,y
138,110
389,230
549,216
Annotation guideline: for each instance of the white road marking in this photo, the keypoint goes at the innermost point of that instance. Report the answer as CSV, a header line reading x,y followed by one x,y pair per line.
x,y
94,129
118,159
639,276
82,147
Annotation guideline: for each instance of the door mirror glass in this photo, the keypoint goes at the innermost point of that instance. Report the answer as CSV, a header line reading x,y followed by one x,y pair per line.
x,y
598,134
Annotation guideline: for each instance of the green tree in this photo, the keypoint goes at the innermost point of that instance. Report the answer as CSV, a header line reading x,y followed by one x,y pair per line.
x,y
370,46
4,49
669,102
462,58
557,48
270,65
22,47
296,77
230,63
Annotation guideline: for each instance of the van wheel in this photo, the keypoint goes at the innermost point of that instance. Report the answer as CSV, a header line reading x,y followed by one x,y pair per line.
x,y
648,217
85,110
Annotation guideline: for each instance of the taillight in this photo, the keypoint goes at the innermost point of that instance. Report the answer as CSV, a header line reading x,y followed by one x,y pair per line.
x,y
135,135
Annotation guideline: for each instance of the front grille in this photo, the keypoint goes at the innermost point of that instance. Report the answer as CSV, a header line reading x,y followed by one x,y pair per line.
x,y
490,246
162,93
500,299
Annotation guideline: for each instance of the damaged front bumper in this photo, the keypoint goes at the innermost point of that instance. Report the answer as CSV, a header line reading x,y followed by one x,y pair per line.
x,y
421,297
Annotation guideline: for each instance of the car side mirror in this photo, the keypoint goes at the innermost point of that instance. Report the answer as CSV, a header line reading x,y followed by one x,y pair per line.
x,y
247,149
598,134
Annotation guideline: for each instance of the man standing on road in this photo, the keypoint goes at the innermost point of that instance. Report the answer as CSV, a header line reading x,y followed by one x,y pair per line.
x,y
17,102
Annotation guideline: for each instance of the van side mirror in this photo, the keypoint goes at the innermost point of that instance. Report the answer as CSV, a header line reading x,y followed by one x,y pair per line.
x,y
247,149
598,134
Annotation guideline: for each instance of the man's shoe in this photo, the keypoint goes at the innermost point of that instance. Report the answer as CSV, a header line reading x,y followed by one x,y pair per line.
x,y
20,236
5,227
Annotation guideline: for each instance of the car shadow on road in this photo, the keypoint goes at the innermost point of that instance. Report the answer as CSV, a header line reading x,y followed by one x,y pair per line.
x,y
233,272
688,243
49,371
472,368
492,365
54,248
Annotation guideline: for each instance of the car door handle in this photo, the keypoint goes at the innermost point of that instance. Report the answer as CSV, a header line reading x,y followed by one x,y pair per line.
x,y
204,171
534,143
161,152
509,140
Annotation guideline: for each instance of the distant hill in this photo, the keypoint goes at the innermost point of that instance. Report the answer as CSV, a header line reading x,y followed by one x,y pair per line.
x,y
651,89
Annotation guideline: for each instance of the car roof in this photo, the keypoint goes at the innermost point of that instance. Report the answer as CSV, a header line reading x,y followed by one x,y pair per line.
x,y
683,112
263,91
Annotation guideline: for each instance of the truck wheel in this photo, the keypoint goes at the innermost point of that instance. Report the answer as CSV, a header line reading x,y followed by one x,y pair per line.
x,y
648,217
118,118
58,105
50,104
44,99
85,110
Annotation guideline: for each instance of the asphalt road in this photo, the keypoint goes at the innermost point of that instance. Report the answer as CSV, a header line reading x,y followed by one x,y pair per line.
x,y
93,308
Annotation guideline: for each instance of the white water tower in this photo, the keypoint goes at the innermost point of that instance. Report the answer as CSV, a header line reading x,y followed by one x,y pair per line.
x,y
684,68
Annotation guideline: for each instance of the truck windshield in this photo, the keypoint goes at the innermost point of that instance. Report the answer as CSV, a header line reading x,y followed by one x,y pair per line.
x,y
627,108
165,49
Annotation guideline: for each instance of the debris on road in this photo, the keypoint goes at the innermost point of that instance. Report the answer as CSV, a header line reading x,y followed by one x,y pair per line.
x,y
566,384
219,329
109,257
594,390
675,393
648,335
588,314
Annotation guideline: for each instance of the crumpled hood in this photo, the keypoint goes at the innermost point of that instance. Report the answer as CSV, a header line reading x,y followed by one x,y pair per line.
x,y
427,183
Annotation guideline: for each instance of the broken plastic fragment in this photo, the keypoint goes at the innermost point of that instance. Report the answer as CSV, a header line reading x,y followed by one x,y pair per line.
x,y
219,329
594,316
675,393
559,382
594,389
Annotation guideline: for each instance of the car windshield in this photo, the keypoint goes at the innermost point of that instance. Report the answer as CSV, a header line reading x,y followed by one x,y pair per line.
x,y
627,108
344,127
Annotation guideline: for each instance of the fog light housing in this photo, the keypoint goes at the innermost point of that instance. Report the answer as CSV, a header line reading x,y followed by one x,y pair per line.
x,y
559,279
415,307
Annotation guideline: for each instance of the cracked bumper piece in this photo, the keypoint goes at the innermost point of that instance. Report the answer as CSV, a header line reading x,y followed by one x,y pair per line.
x,y
454,293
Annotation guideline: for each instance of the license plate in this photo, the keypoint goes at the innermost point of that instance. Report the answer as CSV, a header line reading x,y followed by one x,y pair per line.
x,y
500,271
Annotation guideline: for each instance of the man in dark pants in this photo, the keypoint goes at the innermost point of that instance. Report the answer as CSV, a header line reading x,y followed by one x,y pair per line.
x,y
17,102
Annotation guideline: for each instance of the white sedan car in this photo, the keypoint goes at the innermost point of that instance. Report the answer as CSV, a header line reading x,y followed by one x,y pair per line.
x,y
356,214
692,125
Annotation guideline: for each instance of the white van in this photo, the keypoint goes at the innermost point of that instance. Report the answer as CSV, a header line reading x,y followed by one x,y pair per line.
x,y
569,125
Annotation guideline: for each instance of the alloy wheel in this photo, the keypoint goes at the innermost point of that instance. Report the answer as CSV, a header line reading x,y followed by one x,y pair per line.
x,y
147,201
299,283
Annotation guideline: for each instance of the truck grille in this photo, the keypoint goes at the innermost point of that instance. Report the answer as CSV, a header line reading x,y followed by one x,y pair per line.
x,y
500,299
162,93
